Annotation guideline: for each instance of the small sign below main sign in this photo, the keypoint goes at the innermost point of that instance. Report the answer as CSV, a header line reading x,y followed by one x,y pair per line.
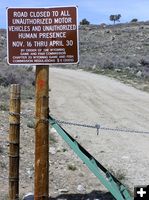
x,y
42,36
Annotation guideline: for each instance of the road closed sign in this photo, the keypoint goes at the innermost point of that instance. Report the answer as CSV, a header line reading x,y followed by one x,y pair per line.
x,y
42,36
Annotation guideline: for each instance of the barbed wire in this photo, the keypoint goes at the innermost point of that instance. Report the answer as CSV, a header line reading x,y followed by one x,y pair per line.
x,y
96,126
23,96
21,180
4,178
21,114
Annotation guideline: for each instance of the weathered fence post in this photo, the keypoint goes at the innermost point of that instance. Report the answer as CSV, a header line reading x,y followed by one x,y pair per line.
x,y
41,179
14,141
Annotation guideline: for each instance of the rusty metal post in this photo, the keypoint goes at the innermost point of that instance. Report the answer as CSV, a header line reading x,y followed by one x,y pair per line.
x,y
14,141
41,179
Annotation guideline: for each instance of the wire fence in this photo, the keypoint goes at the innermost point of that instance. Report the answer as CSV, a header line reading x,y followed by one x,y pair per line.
x,y
24,95
96,126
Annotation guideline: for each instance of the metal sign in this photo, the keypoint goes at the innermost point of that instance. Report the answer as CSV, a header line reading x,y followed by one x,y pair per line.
x,y
42,36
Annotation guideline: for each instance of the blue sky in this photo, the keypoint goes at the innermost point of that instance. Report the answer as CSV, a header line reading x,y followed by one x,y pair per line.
x,y
95,11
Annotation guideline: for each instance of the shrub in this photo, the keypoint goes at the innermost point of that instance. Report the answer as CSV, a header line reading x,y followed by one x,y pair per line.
x,y
15,75
71,167
31,124
3,165
119,174
134,20
52,139
4,107
1,149
3,80
84,22
144,62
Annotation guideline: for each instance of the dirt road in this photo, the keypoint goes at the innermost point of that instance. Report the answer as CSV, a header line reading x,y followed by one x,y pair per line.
x,y
83,97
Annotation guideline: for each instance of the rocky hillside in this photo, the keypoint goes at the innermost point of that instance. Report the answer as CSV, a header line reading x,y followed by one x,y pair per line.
x,y
117,50
120,46
120,51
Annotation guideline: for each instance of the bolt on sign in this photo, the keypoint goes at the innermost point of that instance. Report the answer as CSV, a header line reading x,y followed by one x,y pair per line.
x,y
42,36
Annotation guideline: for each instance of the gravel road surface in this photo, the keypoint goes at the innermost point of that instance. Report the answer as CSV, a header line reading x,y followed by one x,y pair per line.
x,y
83,97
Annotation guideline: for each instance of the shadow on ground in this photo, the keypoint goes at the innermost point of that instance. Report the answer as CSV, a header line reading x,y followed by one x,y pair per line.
x,y
94,195
90,196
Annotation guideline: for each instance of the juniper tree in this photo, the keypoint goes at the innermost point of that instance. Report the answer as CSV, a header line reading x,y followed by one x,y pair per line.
x,y
84,22
115,18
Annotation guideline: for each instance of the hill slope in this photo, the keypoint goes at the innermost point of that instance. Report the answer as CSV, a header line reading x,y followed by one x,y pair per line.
x,y
119,50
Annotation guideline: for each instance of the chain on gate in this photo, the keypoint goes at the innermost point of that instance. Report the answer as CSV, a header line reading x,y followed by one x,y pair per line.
x,y
99,127
96,126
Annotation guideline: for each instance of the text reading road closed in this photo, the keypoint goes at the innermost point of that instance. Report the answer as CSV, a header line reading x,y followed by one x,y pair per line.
x,y
42,35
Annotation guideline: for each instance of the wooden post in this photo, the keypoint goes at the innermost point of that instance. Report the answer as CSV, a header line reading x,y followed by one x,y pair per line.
x,y
41,179
14,141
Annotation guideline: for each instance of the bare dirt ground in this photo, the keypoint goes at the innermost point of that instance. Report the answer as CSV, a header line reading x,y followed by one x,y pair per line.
x,y
82,97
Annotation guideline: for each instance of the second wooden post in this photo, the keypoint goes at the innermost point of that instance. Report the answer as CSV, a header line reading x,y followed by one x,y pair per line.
x,y
41,179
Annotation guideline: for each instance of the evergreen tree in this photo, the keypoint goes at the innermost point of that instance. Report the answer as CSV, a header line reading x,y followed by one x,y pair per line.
x,y
115,18
84,22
